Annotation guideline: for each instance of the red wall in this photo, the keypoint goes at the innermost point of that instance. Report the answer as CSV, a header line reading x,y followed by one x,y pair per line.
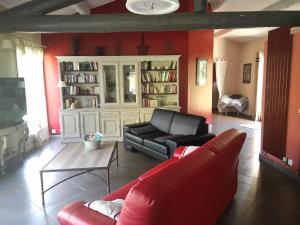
x,y
200,97
293,123
59,45
160,42
293,140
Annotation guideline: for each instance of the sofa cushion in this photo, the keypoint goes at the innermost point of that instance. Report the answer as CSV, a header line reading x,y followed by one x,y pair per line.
x,y
186,124
155,146
143,130
140,138
162,119
111,209
163,139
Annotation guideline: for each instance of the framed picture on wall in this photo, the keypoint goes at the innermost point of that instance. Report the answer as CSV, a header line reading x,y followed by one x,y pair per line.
x,y
247,73
201,71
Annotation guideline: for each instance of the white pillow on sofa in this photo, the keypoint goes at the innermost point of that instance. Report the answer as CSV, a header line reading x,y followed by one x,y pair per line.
x,y
111,209
187,150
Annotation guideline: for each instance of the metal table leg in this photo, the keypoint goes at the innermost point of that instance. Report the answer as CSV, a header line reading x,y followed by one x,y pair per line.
x,y
117,155
2,155
42,187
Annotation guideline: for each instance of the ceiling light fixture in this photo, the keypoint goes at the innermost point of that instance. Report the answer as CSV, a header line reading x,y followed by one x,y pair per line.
x,y
152,7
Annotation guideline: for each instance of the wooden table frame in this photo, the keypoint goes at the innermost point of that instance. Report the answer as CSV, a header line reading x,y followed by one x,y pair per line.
x,y
114,157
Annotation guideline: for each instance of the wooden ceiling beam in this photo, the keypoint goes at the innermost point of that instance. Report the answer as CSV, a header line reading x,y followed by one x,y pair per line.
x,y
37,7
103,23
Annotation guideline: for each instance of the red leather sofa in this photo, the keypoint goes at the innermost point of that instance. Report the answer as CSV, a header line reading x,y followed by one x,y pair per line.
x,y
191,190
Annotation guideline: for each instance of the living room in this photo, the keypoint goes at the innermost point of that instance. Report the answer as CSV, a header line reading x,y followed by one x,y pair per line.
x,y
52,130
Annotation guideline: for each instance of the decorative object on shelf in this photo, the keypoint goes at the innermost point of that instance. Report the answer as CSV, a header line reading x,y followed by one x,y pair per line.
x,y
75,104
142,48
161,100
68,102
201,72
247,73
75,45
152,7
81,78
99,50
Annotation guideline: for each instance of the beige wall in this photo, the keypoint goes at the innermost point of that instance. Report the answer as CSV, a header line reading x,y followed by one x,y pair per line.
x,y
248,55
238,54
8,64
231,50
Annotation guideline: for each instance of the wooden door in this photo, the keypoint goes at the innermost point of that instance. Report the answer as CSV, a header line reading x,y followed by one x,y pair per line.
x,y
276,86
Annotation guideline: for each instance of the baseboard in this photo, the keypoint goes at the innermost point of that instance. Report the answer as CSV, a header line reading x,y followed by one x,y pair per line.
x,y
55,136
280,167
234,114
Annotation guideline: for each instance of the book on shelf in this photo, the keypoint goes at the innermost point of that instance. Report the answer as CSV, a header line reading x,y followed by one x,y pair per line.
x,y
82,66
148,102
149,89
159,76
66,66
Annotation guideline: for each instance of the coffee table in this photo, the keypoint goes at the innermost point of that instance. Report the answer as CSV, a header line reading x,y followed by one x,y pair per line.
x,y
75,158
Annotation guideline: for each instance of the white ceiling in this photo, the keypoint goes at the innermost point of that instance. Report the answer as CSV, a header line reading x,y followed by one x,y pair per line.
x,y
241,35
246,35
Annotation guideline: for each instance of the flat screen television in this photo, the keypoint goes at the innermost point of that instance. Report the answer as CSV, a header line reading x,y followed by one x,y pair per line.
x,y
12,101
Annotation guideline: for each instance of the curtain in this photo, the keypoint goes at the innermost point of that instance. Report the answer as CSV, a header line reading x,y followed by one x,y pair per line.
x,y
30,67
259,86
221,66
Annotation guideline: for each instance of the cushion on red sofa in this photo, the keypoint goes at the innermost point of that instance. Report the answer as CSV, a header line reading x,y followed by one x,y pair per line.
x,y
111,209
79,214
185,150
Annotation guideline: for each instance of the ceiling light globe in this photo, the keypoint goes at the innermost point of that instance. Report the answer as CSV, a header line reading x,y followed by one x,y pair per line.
x,y
152,7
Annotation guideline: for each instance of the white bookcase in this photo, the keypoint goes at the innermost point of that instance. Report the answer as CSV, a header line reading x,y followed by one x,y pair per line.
x,y
111,91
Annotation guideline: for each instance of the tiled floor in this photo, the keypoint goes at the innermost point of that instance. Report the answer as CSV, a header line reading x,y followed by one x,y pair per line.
x,y
265,196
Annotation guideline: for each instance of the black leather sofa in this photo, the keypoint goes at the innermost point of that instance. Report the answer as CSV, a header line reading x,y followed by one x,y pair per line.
x,y
166,131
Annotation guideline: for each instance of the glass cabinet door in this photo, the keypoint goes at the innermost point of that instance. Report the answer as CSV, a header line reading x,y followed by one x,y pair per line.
x,y
129,84
110,84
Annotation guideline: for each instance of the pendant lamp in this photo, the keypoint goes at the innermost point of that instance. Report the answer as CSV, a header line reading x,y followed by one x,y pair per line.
x,y
152,7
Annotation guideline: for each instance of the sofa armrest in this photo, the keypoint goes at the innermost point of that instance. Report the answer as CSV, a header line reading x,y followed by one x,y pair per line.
x,y
186,140
127,127
77,213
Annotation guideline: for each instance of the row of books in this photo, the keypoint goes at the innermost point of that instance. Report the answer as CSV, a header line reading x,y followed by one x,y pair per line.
x,y
159,76
164,89
152,65
82,66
